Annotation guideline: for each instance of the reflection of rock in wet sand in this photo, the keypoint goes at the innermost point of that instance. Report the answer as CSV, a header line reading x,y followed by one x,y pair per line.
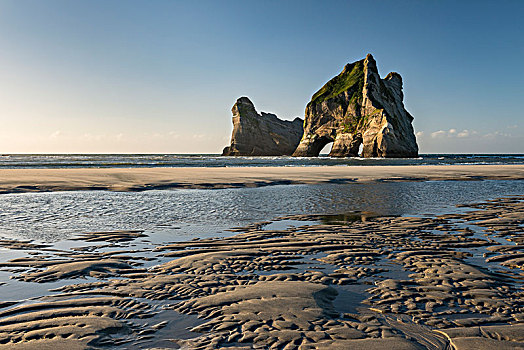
x,y
453,281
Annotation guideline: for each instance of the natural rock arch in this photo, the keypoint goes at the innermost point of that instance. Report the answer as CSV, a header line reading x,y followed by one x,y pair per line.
x,y
358,107
322,142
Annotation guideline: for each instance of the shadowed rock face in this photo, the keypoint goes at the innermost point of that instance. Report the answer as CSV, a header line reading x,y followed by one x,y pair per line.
x,y
261,134
358,107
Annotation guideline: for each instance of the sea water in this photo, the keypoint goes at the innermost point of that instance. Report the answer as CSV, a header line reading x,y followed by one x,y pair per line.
x,y
13,161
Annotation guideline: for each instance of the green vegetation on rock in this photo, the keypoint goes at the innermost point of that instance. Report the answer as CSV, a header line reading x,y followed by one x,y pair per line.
x,y
351,76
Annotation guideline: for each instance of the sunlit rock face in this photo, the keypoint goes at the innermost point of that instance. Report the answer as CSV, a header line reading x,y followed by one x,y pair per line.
x,y
261,134
356,108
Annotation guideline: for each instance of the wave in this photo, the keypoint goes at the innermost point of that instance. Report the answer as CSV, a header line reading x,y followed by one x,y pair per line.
x,y
214,160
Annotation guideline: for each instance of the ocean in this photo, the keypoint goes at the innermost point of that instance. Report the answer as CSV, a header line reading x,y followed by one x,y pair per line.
x,y
26,161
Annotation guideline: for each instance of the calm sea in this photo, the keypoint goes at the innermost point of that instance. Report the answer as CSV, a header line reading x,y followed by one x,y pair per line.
x,y
214,160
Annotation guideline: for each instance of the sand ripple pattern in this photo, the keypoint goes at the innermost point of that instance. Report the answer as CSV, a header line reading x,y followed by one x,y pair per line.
x,y
352,282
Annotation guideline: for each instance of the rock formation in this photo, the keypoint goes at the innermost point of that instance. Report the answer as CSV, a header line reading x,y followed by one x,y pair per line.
x,y
358,107
261,134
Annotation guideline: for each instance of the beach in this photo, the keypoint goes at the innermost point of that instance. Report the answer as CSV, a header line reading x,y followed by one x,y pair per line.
x,y
369,257
140,179
252,175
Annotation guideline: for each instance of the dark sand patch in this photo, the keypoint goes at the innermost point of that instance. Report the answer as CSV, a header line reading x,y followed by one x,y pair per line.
x,y
112,236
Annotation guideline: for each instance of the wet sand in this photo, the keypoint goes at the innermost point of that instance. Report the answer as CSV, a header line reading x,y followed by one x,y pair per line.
x,y
359,281
140,179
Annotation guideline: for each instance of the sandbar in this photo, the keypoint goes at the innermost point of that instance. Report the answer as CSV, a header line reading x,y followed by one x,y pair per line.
x,y
141,179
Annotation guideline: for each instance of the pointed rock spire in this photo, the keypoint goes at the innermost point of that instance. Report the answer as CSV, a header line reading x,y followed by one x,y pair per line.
x,y
262,134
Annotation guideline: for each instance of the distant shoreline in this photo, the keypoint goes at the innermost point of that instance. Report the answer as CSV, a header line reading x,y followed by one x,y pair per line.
x,y
143,179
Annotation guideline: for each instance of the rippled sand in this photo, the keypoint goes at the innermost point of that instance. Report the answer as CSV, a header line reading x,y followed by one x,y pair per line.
x,y
326,282
140,179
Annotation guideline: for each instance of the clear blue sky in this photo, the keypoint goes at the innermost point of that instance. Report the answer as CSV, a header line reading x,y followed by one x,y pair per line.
x,y
161,76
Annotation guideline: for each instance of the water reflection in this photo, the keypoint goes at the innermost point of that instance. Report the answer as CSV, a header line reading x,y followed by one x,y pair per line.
x,y
347,218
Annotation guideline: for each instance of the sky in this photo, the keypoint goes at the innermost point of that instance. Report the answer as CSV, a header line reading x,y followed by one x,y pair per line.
x,y
126,76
